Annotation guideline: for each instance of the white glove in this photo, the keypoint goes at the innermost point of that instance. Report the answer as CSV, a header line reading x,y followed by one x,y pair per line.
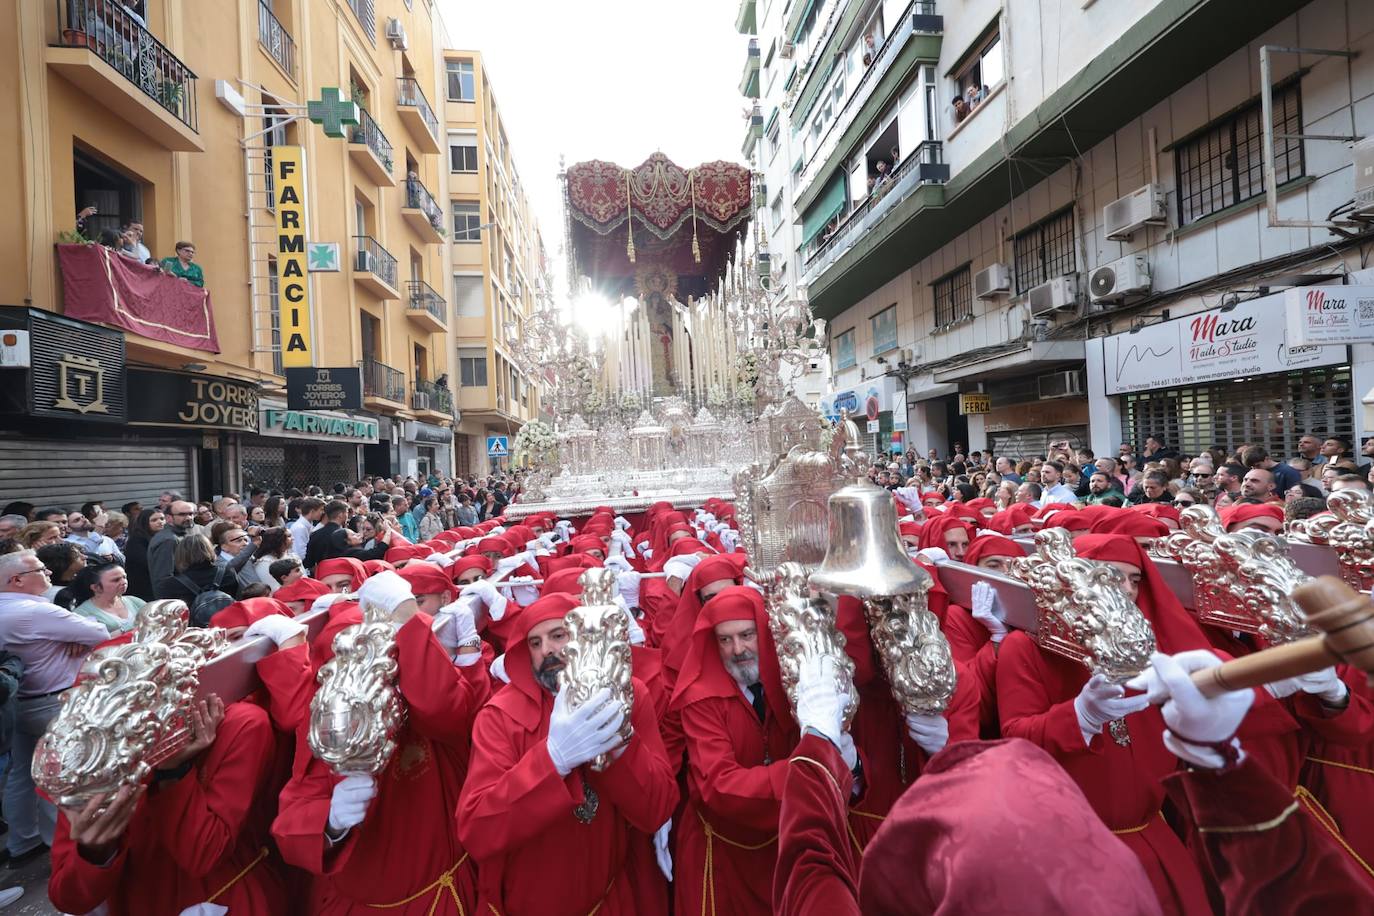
x,y
621,522
536,547
548,540
348,804
646,550
701,535
275,627
498,669
523,594
935,555
564,529
635,630
849,753
818,697
205,909
440,559
329,599
1100,702
386,590
1186,711
494,600
619,564
910,497
1325,684
627,583
456,622
661,851
729,538
931,732
985,610
620,544
498,530
578,735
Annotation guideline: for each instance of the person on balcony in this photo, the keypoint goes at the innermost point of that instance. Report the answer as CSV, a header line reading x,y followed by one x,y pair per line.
x,y
184,265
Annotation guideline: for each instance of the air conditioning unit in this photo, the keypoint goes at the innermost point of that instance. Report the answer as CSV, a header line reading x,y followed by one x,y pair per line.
x,y
365,261
1057,295
1119,279
1060,384
1142,207
994,280
787,50
396,34
1364,174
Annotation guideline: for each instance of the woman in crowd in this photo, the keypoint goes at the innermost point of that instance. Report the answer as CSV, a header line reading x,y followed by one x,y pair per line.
x,y
274,512
39,534
101,593
148,523
274,545
430,523
196,571
64,560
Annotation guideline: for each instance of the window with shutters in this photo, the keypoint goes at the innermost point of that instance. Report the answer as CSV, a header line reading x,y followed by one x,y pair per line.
x,y
472,367
1223,164
1044,251
462,156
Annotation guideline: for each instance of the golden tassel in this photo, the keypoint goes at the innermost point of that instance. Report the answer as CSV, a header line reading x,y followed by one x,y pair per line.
x,y
692,185
629,221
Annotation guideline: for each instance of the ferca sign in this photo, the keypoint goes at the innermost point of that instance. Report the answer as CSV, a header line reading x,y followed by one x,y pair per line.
x,y
293,271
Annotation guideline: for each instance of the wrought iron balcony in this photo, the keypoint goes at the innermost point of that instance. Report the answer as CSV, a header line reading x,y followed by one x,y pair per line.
x,y
427,305
429,396
422,211
370,149
374,266
275,40
925,165
120,39
382,381
410,98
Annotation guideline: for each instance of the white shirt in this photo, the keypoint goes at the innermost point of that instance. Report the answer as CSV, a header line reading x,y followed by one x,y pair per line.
x,y
300,529
93,542
1059,493
38,632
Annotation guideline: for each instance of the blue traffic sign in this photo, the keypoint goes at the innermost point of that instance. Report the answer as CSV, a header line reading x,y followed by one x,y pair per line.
x,y
498,446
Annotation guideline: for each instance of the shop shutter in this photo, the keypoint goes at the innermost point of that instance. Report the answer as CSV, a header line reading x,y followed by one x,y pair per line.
x,y
1033,443
1274,411
68,472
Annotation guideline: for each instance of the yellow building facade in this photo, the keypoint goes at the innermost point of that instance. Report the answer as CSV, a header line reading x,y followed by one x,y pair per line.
x,y
165,112
498,262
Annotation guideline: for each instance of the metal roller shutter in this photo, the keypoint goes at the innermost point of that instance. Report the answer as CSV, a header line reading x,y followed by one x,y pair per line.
x,y
1273,411
65,472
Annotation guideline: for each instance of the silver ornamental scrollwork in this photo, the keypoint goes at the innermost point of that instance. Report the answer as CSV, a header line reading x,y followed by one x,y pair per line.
x,y
1268,577
1083,610
598,651
128,710
913,651
1216,591
357,711
803,628
1352,536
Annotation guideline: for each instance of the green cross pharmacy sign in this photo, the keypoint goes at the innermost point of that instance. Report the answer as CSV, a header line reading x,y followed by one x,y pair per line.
x,y
332,111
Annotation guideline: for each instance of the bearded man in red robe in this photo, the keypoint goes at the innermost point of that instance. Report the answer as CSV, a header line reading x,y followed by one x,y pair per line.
x,y
550,834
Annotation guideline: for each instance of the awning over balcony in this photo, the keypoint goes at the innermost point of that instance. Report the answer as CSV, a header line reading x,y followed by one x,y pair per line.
x,y
828,203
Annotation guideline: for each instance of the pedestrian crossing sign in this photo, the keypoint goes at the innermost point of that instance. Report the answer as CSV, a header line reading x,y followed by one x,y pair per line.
x,y
498,446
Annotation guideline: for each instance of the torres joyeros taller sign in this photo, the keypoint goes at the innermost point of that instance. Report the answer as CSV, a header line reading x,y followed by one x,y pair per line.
x,y
293,271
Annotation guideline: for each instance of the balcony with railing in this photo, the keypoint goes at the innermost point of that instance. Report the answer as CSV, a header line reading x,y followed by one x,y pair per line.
x,y
275,40
426,307
370,150
422,212
419,118
366,13
903,42
374,269
104,49
749,83
427,396
923,168
382,382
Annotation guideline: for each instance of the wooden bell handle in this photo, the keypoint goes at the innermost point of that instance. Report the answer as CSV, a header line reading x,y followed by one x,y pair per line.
x,y
1346,619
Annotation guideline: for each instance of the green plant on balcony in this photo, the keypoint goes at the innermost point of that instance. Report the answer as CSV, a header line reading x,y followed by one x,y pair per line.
x,y
73,237
169,94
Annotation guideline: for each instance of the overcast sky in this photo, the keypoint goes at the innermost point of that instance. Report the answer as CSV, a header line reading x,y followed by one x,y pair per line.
x,y
606,79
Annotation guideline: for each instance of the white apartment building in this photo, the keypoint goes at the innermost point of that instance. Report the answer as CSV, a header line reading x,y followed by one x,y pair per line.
x,y
1086,239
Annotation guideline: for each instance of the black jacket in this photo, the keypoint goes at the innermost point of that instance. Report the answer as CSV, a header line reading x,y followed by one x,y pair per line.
x,y
11,670
202,575
318,547
136,565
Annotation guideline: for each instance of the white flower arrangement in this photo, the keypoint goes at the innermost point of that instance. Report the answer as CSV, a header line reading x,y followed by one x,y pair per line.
x,y
717,396
744,396
630,401
594,402
535,442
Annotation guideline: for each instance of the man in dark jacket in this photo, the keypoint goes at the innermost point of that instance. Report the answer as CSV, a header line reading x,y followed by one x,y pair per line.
x,y
335,511
161,566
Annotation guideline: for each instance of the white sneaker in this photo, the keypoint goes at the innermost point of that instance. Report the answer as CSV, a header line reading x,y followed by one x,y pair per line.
x,y
9,895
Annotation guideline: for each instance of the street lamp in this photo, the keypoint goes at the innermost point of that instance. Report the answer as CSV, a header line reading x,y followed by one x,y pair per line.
x,y
466,234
